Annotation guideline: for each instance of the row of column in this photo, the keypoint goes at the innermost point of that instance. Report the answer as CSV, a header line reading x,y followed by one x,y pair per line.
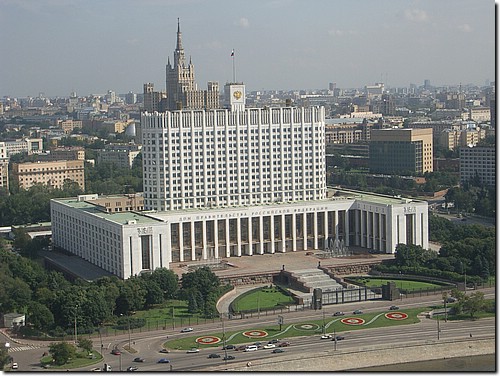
x,y
270,245
370,230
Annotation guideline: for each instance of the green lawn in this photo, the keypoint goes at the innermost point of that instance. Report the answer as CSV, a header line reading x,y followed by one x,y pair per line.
x,y
263,298
310,327
402,284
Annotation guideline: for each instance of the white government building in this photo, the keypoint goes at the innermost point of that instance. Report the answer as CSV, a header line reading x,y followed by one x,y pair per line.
x,y
231,182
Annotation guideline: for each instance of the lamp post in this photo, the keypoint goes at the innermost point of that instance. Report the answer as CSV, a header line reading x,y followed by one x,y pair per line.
x,y
224,338
76,329
128,323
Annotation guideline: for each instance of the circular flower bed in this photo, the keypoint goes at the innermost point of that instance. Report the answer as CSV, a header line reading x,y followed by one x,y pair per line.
x,y
306,327
255,334
207,340
352,321
396,315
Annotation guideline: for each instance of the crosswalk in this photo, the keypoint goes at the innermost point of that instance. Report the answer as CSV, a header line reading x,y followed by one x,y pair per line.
x,y
23,348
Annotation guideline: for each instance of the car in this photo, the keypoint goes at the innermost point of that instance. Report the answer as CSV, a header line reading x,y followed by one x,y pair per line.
x,y
95,369
284,344
186,330
139,360
326,336
270,346
393,307
193,350
339,313
228,357
115,352
213,356
15,365
241,348
163,360
358,312
132,368
275,340
278,350
338,338
165,351
229,347
451,299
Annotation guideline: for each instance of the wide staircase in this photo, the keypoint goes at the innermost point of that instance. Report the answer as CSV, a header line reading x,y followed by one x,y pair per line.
x,y
311,279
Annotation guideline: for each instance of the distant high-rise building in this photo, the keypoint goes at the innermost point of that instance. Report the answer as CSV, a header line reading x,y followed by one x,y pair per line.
x,y
153,100
427,84
182,91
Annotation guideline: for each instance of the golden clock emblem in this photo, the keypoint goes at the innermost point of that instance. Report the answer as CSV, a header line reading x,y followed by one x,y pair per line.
x,y
237,94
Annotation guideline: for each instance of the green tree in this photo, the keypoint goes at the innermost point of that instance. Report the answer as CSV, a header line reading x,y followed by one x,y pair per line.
x,y
40,316
61,352
5,358
86,344
167,280
474,303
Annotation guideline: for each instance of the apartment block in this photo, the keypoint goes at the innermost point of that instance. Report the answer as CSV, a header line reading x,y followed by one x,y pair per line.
x,y
121,156
478,162
52,173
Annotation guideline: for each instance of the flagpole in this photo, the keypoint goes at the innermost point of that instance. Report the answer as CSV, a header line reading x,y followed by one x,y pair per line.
x,y
234,74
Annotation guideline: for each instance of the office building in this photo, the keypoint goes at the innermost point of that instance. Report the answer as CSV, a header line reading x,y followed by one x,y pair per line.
x,y
28,145
478,163
122,156
401,151
4,166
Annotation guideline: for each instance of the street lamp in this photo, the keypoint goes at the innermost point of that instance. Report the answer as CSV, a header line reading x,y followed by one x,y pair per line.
x,y
128,322
76,329
224,338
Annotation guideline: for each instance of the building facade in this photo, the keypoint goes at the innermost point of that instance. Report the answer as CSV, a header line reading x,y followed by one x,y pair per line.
x,y
130,243
52,173
478,162
121,156
401,151
202,159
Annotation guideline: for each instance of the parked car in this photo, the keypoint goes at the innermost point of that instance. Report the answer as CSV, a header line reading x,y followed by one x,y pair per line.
x,y
270,346
186,330
339,313
278,350
165,351
163,360
132,368
212,356
229,347
358,312
284,344
139,360
229,357
193,350
393,307
115,352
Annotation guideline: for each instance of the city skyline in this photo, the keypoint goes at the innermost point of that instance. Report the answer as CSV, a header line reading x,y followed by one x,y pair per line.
x,y
57,47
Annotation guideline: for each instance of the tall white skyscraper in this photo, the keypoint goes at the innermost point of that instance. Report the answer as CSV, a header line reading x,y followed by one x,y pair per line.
x,y
200,159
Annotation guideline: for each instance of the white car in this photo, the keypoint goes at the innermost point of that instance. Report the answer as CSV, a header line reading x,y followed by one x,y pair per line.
x,y
326,336
186,330
193,350
15,365
270,346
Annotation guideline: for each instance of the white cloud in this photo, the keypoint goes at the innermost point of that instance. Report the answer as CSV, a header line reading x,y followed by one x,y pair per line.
x,y
466,28
242,22
416,15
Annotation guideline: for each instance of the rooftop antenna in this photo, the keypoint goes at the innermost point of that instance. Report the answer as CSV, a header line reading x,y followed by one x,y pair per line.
x,y
234,74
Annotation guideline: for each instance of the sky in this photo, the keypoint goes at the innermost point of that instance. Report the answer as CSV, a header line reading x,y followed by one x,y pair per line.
x,y
56,47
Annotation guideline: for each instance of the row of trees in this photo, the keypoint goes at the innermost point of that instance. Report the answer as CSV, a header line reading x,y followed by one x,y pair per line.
x,y
465,250
52,304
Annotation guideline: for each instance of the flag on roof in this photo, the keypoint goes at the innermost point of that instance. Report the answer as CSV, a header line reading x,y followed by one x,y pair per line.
x,y
232,52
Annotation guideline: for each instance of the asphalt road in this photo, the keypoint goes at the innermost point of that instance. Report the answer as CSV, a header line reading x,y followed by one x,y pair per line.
x,y
148,344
